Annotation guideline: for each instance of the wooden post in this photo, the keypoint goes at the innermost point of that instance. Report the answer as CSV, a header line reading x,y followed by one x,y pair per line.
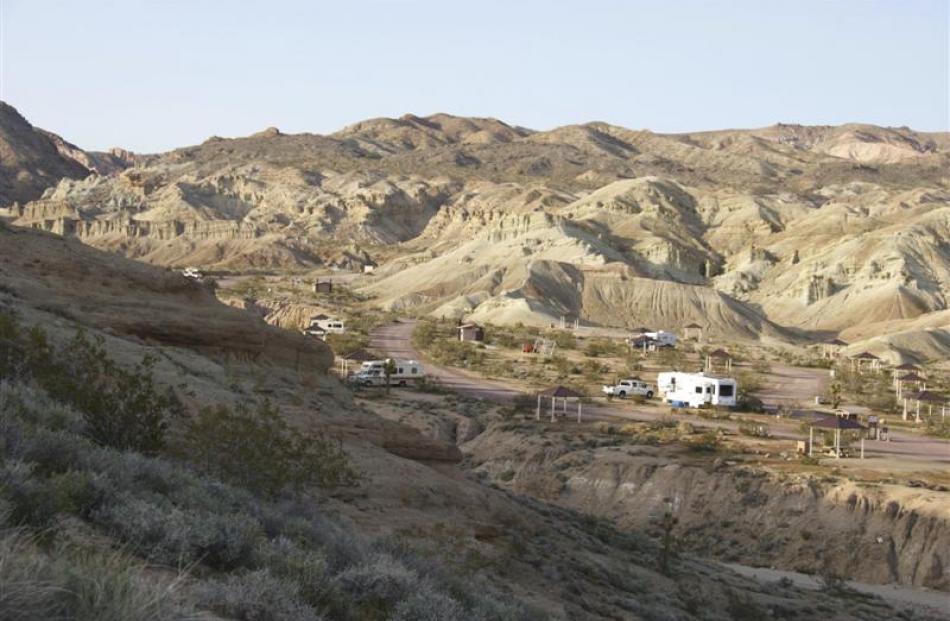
x,y
553,407
904,416
538,411
917,414
837,444
862,448
578,411
811,440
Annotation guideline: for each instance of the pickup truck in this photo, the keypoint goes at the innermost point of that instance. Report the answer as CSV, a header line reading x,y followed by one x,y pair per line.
x,y
630,386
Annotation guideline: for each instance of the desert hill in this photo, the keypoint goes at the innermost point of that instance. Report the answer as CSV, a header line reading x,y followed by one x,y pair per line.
x,y
415,538
787,231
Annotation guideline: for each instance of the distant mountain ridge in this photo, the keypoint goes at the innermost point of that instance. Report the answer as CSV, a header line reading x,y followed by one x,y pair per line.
x,y
781,232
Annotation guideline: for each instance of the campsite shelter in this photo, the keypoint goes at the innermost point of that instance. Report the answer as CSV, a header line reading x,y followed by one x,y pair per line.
x,y
931,398
837,423
471,332
719,359
832,348
693,330
910,378
905,369
359,357
865,361
564,394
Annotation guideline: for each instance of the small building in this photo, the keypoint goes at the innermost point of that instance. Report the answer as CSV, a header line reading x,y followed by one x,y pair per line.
x,y
369,269
471,332
832,348
904,382
718,360
693,331
323,286
865,361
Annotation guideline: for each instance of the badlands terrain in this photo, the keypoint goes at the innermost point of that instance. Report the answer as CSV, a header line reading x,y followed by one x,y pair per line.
x,y
461,506
785,234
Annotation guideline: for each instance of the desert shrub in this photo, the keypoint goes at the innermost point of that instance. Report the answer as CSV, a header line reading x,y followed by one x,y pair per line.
x,y
347,343
255,596
308,569
562,338
429,605
749,403
597,348
937,427
704,443
258,450
171,535
36,501
79,585
121,407
379,583
743,608
754,429
524,403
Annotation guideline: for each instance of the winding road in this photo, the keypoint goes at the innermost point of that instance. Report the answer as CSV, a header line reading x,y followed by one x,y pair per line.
x,y
904,451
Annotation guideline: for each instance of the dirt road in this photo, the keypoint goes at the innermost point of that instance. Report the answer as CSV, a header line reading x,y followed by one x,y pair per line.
x,y
787,385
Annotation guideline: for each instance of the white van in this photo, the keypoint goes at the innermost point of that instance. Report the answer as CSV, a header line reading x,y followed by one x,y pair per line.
x,y
697,389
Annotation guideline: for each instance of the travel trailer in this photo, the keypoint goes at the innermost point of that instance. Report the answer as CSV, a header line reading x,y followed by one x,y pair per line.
x,y
329,325
697,389
373,373
662,338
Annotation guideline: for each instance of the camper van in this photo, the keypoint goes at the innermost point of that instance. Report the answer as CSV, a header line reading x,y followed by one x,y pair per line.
x,y
662,338
697,389
329,325
373,373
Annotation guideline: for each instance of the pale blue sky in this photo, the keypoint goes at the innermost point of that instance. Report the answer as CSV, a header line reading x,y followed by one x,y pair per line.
x,y
152,75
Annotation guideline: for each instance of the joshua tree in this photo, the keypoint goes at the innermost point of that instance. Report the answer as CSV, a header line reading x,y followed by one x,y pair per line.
x,y
834,392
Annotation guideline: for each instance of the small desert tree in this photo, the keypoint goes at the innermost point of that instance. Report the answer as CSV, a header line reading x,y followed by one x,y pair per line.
x,y
258,450
389,369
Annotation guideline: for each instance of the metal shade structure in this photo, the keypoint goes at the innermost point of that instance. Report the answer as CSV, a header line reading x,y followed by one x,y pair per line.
x,y
718,357
866,360
564,394
911,377
360,355
931,398
837,423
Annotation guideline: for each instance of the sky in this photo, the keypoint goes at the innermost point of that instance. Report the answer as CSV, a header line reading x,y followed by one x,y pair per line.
x,y
154,75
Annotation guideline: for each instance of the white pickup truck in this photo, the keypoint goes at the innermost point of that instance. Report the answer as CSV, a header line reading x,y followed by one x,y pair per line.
x,y
630,386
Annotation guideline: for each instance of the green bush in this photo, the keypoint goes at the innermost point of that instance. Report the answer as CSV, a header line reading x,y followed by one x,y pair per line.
x,y
258,450
121,407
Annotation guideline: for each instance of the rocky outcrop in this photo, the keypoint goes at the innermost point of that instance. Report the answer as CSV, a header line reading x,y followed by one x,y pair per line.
x,y
152,304
30,161
871,533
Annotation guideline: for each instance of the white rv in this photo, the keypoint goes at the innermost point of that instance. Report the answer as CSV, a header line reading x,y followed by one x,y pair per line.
x,y
697,389
662,338
329,325
373,373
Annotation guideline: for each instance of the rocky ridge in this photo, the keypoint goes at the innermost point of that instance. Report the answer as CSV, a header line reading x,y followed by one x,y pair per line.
x,y
785,232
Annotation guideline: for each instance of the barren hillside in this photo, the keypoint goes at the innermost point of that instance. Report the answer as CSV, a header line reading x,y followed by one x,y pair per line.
x,y
784,232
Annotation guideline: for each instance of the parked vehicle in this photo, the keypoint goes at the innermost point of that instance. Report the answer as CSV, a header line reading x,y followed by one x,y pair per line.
x,y
629,387
697,389
662,338
373,373
192,272
329,325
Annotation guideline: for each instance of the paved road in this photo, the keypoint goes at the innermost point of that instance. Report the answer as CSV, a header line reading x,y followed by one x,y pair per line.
x,y
788,385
